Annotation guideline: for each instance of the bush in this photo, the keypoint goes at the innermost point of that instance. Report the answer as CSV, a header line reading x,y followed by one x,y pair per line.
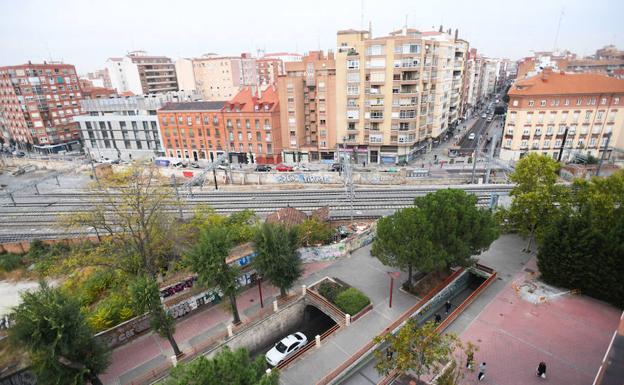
x,y
330,290
351,301
10,262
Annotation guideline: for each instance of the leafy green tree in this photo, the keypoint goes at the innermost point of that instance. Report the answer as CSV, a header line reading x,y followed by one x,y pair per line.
x,y
208,259
277,257
414,349
313,232
459,229
227,367
535,196
50,326
145,298
404,241
582,246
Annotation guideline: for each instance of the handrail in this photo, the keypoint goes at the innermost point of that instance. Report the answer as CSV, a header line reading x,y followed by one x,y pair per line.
x,y
307,347
360,352
330,306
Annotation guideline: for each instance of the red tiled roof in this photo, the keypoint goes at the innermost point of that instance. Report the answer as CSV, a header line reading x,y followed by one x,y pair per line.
x,y
557,83
287,216
246,99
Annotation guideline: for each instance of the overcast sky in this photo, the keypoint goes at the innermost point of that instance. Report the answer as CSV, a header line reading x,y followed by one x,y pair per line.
x,y
87,32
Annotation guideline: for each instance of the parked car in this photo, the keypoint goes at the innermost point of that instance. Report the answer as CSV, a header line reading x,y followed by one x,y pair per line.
x,y
283,167
489,118
335,167
484,116
471,136
263,168
302,168
19,154
195,165
285,348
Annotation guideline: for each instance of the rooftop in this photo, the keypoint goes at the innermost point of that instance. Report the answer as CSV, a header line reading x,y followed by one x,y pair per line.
x,y
193,106
247,99
557,83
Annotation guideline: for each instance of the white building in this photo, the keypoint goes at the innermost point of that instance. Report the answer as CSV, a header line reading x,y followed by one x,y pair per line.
x,y
185,75
126,127
142,74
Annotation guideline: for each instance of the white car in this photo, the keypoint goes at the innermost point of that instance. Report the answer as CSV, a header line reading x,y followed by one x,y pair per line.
x,y
286,347
471,136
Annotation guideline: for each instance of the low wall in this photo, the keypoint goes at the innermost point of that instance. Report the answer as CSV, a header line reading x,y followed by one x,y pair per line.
x,y
271,328
22,247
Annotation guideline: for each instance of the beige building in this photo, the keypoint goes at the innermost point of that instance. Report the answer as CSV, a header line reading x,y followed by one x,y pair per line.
x,y
185,75
396,94
307,95
222,77
575,113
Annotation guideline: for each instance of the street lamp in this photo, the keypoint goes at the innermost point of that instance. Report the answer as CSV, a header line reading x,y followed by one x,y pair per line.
x,y
393,275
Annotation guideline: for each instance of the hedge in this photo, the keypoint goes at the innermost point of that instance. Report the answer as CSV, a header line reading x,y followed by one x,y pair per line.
x,y
351,301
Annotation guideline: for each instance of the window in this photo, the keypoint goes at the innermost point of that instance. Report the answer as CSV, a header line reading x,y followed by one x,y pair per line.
x,y
587,115
592,142
558,143
543,103
353,114
514,103
549,130
189,121
376,49
353,77
525,132
508,142
352,64
258,136
247,124
529,118
547,143
566,102
603,101
599,115
540,118
249,136
579,101
531,103
616,100
353,89
238,123
524,144
538,131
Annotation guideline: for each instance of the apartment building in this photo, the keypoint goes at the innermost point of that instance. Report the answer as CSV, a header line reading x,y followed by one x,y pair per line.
x,y
142,74
394,93
100,78
38,103
575,113
307,95
125,127
252,124
489,77
222,77
185,74
271,65
91,91
193,131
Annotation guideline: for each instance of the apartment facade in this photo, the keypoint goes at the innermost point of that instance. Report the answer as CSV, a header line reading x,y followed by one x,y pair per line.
x,y
125,127
307,95
38,103
185,74
142,74
574,113
394,93
222,77
252,124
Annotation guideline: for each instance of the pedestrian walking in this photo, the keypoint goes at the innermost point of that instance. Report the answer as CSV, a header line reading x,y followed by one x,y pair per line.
x,y
469,360
481,374
447,306
438,318
541,369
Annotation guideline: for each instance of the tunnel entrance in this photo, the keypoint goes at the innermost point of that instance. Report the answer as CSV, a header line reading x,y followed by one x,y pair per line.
x,y
313,322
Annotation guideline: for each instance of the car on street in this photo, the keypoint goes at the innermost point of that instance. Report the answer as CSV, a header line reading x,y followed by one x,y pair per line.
x,y
471,136
282,167
285,348
484,116
263,168
335,167
195,165
302,167
489,119
19,154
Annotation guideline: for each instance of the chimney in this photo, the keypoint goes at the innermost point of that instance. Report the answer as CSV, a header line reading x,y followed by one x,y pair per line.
x,y
456,33
441,28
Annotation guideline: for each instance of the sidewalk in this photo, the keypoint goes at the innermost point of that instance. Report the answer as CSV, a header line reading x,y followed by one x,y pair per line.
x,y
143,354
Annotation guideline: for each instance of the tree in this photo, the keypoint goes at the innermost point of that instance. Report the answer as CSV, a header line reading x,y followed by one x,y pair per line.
x,y
414,349
582,246
133,221
313,232
51,327
459,229
145,298
227,367
208,259
404,241
535,196
277,256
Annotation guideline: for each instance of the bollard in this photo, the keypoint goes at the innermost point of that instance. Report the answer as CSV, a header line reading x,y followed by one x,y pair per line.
x,y
275,307
268,372
229,330
174,360
318,341
347,319
303,289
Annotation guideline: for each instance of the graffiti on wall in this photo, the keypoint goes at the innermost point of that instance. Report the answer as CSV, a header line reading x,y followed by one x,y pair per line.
x,y
302,178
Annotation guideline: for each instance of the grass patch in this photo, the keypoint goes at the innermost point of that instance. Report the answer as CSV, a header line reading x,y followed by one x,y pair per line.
x,y
351,301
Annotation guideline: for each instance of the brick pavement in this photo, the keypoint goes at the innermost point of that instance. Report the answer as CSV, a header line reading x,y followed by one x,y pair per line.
x,y
570,333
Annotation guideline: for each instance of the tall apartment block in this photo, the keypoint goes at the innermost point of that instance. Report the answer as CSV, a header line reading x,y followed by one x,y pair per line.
x,y
220,77
395,93
554,111
271,65
38,103
125,127
307,94
142,74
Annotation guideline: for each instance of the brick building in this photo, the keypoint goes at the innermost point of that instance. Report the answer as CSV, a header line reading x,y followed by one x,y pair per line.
x,y
38,103
252,122
574,113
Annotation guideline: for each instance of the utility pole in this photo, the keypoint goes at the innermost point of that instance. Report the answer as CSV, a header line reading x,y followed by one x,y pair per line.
x,y
604,153
565,136
474,159
490,156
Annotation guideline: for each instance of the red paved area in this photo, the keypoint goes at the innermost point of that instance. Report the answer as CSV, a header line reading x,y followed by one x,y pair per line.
x,y
570,333
151,346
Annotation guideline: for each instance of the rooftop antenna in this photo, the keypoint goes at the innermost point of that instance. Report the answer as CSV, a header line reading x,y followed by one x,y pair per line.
x,y
558,27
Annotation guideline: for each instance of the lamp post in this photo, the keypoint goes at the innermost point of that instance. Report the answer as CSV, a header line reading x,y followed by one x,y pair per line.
x,y
393,275
260,291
